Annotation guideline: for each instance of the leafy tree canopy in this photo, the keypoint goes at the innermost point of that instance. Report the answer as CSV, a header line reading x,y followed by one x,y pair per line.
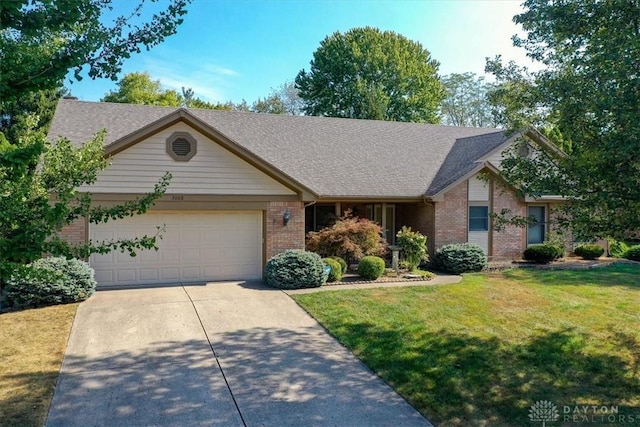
x,y
42,40
366,73
588,99
38,197
282,100
467,102
139,88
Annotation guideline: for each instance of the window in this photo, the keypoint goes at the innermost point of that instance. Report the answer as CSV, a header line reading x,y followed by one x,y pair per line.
x,y
181,146
478,218
536,229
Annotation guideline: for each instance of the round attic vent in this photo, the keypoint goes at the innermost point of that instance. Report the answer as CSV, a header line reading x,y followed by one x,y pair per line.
x,y
181,146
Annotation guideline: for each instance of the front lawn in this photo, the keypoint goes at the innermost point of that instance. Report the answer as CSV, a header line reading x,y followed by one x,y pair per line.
x,y
31,351
483,351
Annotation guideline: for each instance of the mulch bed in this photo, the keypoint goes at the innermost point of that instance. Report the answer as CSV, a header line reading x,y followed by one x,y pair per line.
x,y
567,263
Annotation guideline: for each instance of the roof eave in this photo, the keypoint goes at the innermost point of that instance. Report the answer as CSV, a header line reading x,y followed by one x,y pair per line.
x,y
183,115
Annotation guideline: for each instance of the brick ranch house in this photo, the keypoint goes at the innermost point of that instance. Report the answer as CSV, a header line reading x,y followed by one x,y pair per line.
x,y
237,175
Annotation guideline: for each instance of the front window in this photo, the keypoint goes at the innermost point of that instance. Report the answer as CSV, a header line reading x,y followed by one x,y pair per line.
x,y
536,229
478,218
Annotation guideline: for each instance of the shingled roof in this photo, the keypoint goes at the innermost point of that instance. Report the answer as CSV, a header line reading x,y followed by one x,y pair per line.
x,y
341,158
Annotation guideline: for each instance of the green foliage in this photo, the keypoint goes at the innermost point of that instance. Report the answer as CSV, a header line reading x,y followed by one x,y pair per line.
x,y
282,100
139,88
459,258
414,246
342,262
17,116
50,281
336,269
541,254
589,251
295,269
467,102
38,197
558,240
350,238
633,253
371,267
617,248
586,98
366,73
42,40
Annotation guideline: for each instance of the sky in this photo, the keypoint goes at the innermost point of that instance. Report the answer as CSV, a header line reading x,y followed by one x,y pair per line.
x,y
242,49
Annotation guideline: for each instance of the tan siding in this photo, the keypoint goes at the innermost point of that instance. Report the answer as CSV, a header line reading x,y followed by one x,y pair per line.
x,y
478,190
480,238
213,170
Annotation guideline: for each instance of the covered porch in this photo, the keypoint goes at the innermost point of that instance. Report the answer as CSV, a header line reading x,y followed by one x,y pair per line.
x,y
390,215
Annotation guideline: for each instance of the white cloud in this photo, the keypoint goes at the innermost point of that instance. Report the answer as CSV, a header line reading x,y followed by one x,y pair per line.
x,y
208,81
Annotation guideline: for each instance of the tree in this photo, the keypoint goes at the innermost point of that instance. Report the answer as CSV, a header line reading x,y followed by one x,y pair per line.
x,y
38,197
139,88
467,102
15,114
282,100
41,40
588,95
369,74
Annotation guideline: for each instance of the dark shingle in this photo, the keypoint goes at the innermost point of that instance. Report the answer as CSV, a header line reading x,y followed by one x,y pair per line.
x,y
332,157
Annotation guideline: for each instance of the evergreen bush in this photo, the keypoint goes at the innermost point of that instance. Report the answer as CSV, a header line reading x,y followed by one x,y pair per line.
x,y
371,267
336,269
589,251
295,269
541,253
459,258
49,281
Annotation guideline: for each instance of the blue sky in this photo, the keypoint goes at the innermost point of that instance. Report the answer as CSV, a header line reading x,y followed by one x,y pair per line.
x,y
240,49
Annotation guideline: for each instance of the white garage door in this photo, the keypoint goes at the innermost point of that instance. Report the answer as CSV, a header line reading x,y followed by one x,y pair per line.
x,y
195,246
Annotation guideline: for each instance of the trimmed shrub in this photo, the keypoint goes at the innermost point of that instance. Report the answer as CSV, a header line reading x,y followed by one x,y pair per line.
x,y
541,254
336,269
617,248
350,238
50,281
371,267
589,251
459,258
414,246
342,262
633,253
295,269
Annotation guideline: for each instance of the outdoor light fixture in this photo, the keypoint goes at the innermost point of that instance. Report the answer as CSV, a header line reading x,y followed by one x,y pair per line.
x,y
286,217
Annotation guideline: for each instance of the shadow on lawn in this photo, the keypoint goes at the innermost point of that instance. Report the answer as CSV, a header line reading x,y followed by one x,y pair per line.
x,y
458,379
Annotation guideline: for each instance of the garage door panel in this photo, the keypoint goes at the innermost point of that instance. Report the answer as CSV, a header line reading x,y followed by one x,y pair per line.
x,y
199,245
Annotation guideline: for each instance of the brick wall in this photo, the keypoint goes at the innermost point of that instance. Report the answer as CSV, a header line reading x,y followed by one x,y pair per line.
x,y
451,217
510,243
420,217
76,232
280,237
450,221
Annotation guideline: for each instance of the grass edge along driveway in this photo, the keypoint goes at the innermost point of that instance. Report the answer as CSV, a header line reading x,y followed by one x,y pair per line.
x,y
481,352
33,345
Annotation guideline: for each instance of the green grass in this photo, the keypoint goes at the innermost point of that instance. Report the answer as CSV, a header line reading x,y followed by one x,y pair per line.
x,y
483,351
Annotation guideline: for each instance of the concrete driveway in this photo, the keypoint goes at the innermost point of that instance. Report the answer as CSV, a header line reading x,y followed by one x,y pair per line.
x,y
236,354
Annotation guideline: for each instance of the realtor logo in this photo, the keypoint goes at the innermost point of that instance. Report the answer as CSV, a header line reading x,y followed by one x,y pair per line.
x,y
543,411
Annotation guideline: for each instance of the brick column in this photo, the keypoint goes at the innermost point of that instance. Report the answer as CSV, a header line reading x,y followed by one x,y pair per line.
x,y
280,237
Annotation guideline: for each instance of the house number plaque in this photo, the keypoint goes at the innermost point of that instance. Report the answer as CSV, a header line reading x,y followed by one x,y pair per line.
x,y
177,197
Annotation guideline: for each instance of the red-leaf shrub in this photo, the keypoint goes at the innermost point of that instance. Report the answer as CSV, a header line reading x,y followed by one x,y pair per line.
x,y
351,238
